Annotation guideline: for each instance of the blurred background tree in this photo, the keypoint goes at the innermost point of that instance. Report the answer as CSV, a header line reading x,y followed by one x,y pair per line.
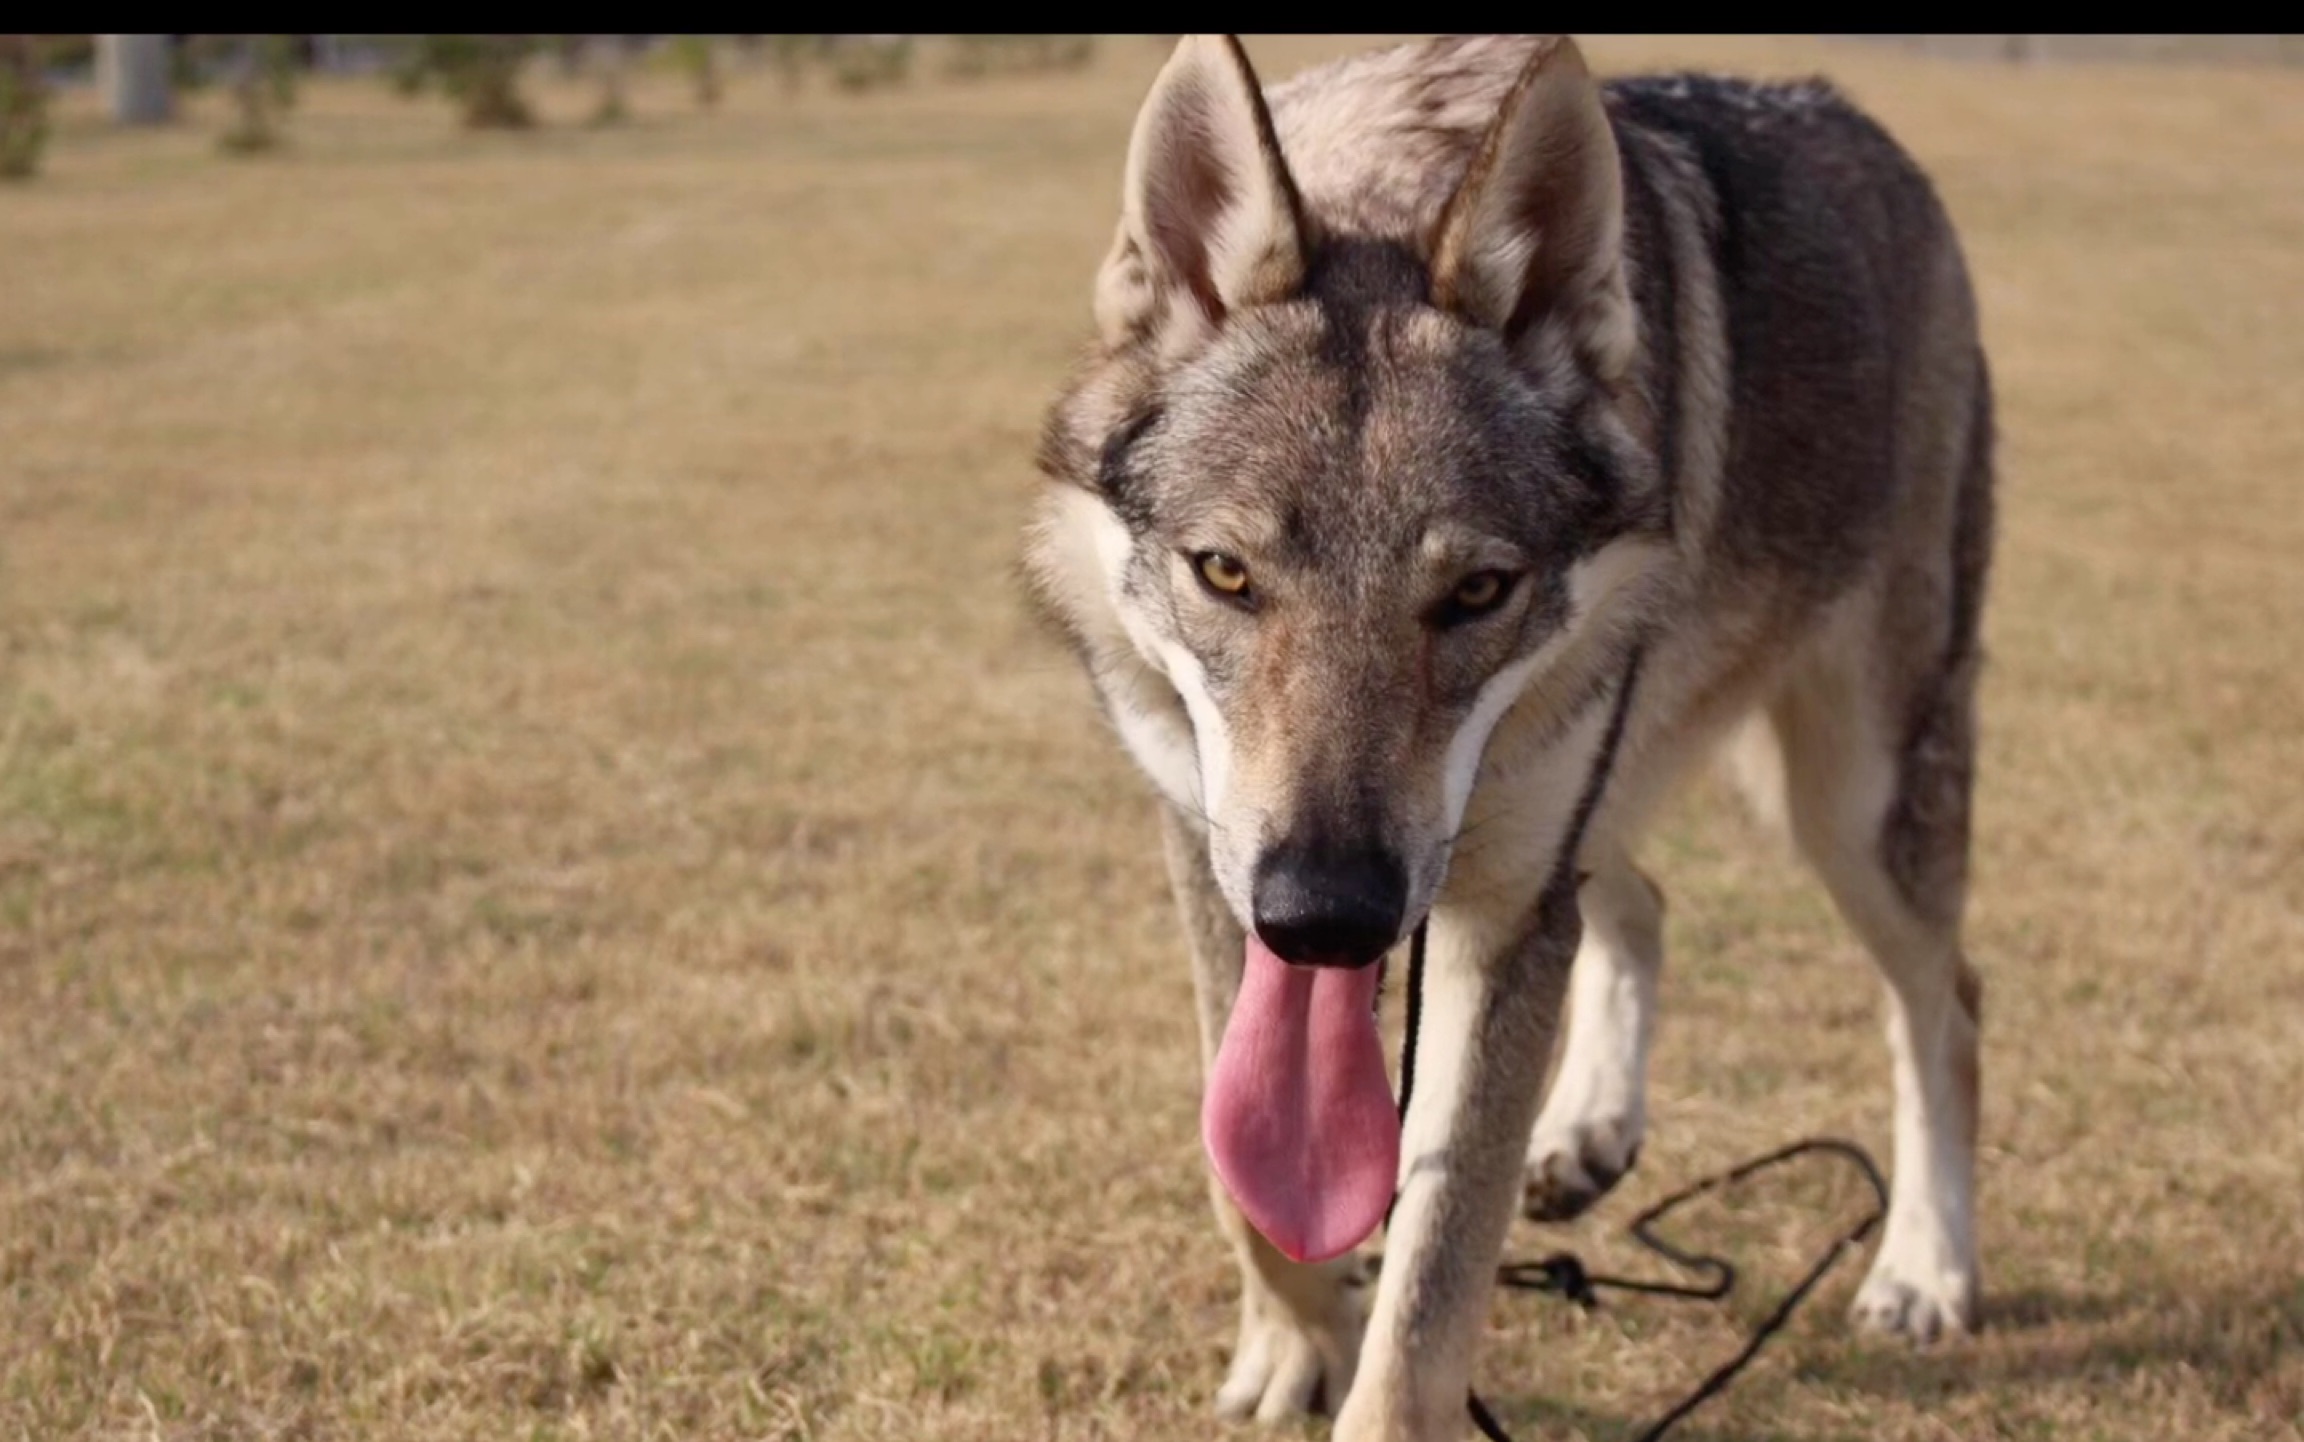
x,y
793,54
610,57
694,57
868,62
259,71
23,106
481,73
263,92
567,52
974,55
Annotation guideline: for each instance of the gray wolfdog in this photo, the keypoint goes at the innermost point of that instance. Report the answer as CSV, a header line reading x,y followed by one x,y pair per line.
x,y
1470,447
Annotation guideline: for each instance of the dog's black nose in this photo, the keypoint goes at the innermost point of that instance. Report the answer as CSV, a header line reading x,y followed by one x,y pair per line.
x,y
1317,906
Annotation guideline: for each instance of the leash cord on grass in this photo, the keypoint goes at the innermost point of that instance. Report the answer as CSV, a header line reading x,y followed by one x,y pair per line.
x,y
1565,1274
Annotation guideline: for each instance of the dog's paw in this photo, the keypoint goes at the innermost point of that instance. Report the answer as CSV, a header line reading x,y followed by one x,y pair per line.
x,y
1286,1369
1916,1309
1572,1166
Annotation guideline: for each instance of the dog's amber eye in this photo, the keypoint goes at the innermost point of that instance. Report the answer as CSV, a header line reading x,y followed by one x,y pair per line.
x,y
1480,593
1222,574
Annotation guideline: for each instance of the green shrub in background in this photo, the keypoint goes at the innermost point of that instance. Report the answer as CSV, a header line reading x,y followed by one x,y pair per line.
x,y
263,90
694,57
73,54
792,55
23,107
867,62
190,61
975,55
481,73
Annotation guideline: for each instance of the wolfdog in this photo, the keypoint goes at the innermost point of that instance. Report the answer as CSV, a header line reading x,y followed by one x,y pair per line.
x,y
1469,447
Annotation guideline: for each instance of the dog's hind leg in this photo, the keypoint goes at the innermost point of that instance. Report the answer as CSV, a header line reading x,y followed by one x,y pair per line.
x,y
1878,734
1594,1116
1300,1323
1877,790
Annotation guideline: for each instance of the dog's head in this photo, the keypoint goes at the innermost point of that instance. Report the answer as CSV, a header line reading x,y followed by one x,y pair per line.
x,y
1330,506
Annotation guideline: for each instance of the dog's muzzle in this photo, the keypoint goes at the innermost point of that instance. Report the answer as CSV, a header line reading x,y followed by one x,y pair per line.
x,y
1322,906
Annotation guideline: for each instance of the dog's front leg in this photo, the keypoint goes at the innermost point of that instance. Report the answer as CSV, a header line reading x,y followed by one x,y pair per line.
x,y
1492,998
1299,1324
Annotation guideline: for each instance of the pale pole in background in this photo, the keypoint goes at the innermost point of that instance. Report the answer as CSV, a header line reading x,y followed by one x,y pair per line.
x,y
132,71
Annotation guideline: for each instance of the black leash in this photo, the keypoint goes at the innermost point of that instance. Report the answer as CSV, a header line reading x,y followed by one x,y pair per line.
x,y
1564,1273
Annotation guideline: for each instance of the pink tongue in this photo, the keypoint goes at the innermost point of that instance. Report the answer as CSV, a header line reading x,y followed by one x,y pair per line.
x,y
1299,1117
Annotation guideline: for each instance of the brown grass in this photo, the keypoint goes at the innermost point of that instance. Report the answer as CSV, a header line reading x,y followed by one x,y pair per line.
x,y
547,889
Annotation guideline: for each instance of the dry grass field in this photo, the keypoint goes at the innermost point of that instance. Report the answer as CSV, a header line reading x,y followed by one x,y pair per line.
x,y
548,888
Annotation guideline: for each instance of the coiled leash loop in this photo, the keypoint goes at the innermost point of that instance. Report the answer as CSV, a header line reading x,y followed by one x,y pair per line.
x,y
1564,1273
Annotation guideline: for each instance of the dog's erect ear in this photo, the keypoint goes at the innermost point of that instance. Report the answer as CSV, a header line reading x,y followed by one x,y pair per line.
x,y
1532,244
1209,220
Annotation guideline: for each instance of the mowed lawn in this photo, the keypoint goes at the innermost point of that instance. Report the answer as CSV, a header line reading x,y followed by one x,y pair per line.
x,y
548,887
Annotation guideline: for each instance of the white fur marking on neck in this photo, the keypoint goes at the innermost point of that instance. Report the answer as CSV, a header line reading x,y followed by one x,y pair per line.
x,y
1591,583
